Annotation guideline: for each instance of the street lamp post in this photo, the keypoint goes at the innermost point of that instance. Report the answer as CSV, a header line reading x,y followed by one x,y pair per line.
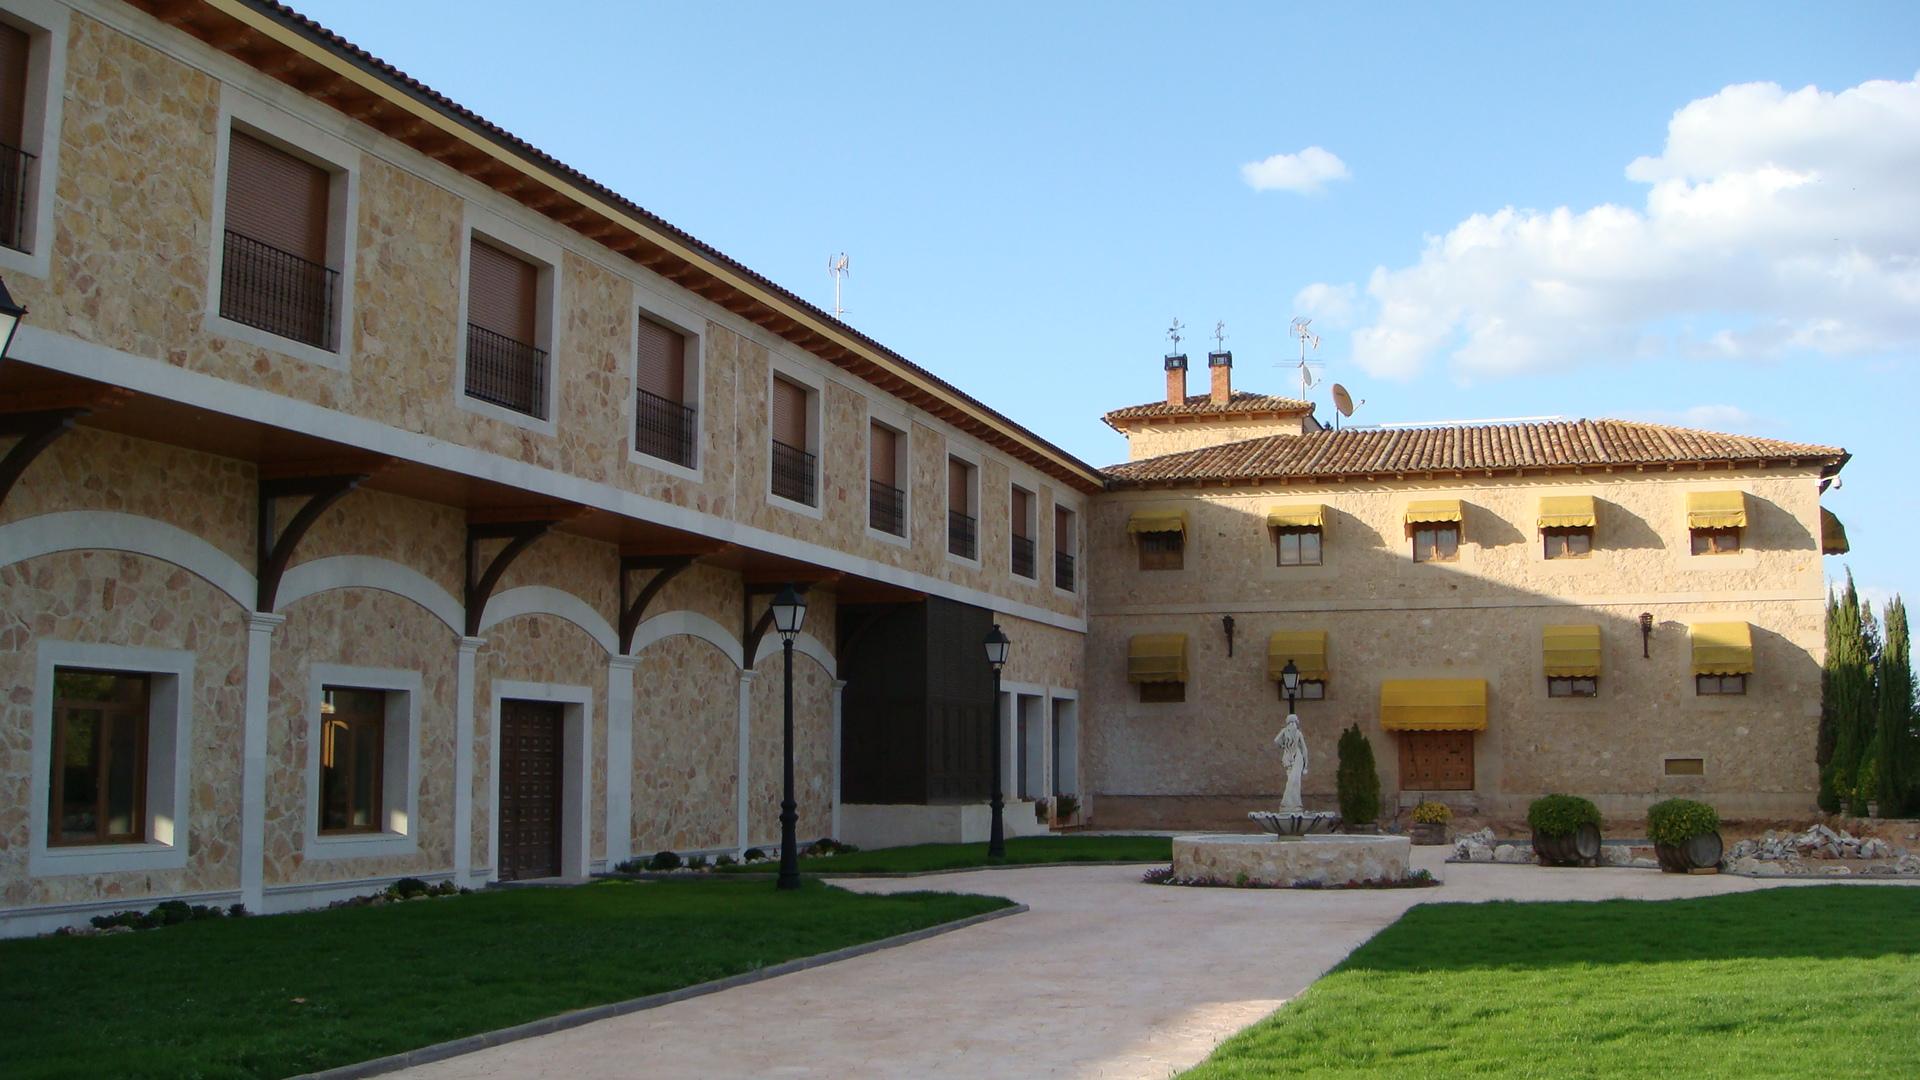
x,y
1290,682
996,645
789,611
10,315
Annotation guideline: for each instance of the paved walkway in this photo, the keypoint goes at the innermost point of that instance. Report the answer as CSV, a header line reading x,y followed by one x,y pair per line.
x,y
1104,977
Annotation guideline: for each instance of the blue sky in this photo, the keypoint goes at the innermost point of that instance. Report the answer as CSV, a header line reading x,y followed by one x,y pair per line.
x,y
1030,193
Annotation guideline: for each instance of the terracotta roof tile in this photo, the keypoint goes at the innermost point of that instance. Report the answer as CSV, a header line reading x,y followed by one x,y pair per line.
x,y
1547,445
1202,405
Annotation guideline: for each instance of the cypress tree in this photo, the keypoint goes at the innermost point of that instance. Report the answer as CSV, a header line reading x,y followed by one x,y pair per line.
x,y
1829,710
1356,780
1847,698
1894,731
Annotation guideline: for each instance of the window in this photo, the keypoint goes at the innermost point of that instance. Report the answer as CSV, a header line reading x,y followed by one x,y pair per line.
x,y
1310,690
1297,547
273,267
1581,686
1436,543
352,751
1716,541
792,463
1020,514
1567,543
963,535
504,365
886,502
1065,543
1162,693
15,161
1162,550
664,420
98,788
1686,766
1706,685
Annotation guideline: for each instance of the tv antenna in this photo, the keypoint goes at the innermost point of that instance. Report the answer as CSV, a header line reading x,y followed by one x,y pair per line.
x,y
839,266
1173,335
1220,335
1309,341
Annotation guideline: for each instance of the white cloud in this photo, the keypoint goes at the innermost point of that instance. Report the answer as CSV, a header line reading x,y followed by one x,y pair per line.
x,y
1331,307
1774,222
1304,173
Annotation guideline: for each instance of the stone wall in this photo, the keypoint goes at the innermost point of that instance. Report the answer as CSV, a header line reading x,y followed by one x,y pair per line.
x,y
1152,439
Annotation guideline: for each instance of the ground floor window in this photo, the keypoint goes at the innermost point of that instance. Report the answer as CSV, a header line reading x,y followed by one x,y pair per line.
x,y
353,742
1573,687
1162,692
98,791
1705,685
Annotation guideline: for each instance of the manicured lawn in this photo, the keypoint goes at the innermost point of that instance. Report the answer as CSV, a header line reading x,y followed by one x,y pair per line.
x,y
268,997
1023,850
1820,981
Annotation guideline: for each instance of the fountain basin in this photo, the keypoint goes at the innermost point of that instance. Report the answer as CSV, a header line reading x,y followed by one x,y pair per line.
x,y
1319,859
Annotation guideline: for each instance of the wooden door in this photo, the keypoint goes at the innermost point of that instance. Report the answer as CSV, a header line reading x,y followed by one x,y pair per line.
x,y
1436,761
531,736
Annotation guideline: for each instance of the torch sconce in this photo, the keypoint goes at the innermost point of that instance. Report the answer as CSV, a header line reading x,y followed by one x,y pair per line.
x,y
1226,623
1646,635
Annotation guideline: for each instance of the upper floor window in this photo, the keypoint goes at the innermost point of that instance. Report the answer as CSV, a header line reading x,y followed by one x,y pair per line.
x,y
1066,541
665,418
98,790
1310,690
505,364
1566,526
1297,547
1715,541
1163,550
1575,543
1436,542
16,162
33,49
793,463
1572,686
1715,520
886,501
963,528
1719,684
1020,516
274,272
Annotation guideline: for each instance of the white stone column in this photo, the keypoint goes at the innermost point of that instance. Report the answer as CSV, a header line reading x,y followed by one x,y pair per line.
x,y
620,758
741,785
463,689
253,759
839,685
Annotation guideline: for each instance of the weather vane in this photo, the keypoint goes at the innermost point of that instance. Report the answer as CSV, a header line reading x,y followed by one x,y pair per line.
x,y
1173,334
1220,335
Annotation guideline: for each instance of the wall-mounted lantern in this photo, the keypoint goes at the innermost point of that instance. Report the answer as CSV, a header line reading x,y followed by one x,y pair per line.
x,y
1646,635
1226,623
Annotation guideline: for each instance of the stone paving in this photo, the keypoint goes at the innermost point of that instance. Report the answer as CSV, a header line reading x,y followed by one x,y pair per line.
x,y
1104,977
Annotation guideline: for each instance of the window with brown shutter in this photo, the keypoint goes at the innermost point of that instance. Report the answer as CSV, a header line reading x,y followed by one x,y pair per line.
x,y
662,361
1022,539
14,158
274,274
792,464
962,529
663,419
886,503
504,366
959,486
886,449
1064,545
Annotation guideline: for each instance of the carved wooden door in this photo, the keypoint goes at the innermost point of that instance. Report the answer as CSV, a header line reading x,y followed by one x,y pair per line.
x,y
1436,761
530,788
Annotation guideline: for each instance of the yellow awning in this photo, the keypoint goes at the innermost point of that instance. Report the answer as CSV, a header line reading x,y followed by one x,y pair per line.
x,y
1433,705
1566,512
1722,648
1153,658
1306,648
1157,521
1307,516
1833,535
1716,509
1423,510
1572,652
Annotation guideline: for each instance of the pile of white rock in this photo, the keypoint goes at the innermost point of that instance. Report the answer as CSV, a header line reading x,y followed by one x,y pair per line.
x,y
1480,847
1777,853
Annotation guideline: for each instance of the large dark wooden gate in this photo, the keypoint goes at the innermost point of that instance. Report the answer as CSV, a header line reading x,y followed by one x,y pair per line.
x,y
1436,760
531,737
916,719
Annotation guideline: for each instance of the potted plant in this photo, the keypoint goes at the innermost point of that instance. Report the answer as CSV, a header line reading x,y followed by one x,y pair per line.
x,y
1685,835
1566,830
1040,811
1430,822
1357,783
1064,808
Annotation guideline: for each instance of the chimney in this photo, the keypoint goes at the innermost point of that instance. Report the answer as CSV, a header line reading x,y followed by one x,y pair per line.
x,y
1176,379
1220,364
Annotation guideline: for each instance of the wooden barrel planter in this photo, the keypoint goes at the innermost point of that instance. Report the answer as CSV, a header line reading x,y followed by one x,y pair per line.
x,y
1429,833
1580,847
1698,853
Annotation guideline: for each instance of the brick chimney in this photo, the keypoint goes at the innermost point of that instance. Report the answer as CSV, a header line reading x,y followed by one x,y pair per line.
x,y
1176,379
1220,365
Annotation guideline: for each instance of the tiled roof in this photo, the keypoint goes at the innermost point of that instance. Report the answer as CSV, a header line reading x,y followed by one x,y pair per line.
x,y
1202,405
1388,451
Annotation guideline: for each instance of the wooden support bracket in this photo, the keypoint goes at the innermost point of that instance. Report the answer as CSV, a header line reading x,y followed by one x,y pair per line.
x,y
665,567
37,431
519,535
273,553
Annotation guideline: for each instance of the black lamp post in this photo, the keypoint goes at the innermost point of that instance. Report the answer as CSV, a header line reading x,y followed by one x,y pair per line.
x,y
10,316
997,644
789,611
1290,682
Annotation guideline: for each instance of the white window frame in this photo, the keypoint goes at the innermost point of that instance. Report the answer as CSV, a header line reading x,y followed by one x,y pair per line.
x,y
647,305
816,387
169,760
576,770
1073,549
972,458
546,255
46,25
340,159
1033,529
902,429
399,768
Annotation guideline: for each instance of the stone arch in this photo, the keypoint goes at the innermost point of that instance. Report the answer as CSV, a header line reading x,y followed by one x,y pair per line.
x,y
369,572
804,644
106,530
692,624
546,600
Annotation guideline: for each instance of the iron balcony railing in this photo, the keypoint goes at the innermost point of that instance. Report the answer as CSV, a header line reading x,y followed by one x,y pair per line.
x,y
504,372
792,473
887,508
1063,570
663,428
277,291
1023,556
15,163
962,535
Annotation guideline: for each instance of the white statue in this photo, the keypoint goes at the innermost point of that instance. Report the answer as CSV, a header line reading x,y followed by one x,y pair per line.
x,y
1293,758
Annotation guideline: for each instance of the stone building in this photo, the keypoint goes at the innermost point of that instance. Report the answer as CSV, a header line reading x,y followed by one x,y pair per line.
x,y
1626,611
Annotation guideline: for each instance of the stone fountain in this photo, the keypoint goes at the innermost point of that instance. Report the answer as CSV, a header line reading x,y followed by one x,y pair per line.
x,y
1301,848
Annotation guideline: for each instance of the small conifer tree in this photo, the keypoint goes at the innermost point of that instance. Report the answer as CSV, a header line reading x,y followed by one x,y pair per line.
x,y
1356,780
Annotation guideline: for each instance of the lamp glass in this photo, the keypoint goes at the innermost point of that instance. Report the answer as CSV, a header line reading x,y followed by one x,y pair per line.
x,y
1290,678
997,646
789,611
10,315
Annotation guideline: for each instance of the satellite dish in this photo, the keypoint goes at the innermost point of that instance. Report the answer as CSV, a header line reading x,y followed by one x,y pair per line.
x,y
1342,400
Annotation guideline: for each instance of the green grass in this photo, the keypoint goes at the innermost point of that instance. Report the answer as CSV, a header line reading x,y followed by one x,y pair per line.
x,y
1821,981
268,997
1021,851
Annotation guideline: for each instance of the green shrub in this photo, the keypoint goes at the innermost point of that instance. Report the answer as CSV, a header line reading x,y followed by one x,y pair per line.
x,y
1067,806
725,860
753,854
1356,781
1676,821
1040,811
696,862
1432,813
664,860
409,887
1561,815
